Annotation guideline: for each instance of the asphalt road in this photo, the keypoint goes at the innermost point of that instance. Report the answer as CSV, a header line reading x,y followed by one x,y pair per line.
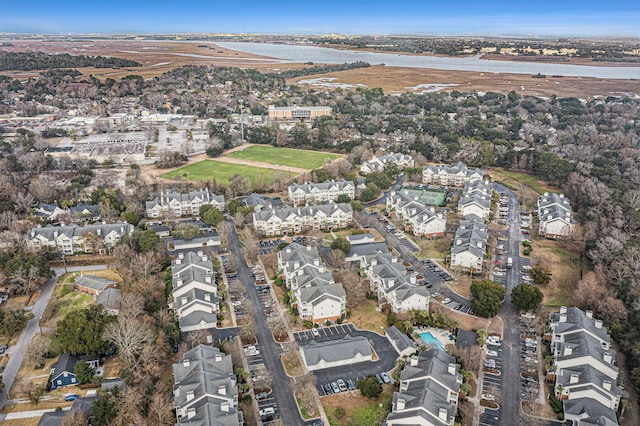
x,y
510,385
18,350
269,349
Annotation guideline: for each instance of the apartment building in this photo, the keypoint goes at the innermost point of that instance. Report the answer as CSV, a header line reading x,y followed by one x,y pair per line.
x,y
94,238
195,300
555,215
469,244
390,280
376,164
456,174
476,199
315,293
428,394
320,192
182,204
293,220
586,378
417,218
205,391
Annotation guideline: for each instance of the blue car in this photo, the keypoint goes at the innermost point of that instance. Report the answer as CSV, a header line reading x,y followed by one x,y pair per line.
x,y
72,397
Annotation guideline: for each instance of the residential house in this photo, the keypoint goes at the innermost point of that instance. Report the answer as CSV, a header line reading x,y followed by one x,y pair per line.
x,y
586,378
62,371
293,220
417,218
334,353
85,212
457,174
316,193
195,301
111,300
428,394
321,303
60,418
205,389
183,204
376,164
72,239
93,285
47,211
555,215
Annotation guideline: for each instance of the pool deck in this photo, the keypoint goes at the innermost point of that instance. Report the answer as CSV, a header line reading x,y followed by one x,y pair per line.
x,y
440,335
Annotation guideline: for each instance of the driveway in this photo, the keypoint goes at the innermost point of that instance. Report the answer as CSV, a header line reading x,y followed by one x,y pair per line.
x,y
18,350
386,353
509,413
270,351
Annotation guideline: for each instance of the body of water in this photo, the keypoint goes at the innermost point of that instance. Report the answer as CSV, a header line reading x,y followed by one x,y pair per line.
x,y
300,54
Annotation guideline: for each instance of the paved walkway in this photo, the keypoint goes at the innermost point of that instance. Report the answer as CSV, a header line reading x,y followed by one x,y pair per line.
x,y
31,414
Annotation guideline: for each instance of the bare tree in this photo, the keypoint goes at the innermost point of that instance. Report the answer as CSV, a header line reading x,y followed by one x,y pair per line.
x,y
159,412
130,335
37,349
336,258
355,286
224,230
76,418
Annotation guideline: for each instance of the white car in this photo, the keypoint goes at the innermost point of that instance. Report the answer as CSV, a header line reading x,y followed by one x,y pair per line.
x,y
526,267
446,300
315,332
488,397
266,411
236,303
492,353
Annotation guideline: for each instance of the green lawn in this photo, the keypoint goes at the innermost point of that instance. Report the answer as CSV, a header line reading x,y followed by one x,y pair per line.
x,y
210,169
284,156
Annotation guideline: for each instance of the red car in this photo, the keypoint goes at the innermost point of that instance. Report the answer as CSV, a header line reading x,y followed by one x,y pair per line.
x,y
525,231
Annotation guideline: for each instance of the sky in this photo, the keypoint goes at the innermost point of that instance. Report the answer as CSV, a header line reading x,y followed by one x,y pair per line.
x,y
428,17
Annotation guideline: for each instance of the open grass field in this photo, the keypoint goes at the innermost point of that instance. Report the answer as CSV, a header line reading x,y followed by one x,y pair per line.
x,y
284,156
511,178
365,317
564,266
210,169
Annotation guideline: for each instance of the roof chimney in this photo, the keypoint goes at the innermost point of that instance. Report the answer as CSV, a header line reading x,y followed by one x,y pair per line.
x,y
218,357
190,395
606,385
443,414
608,357
568,350
575,378
178,283
207,297
186,362
589,314
452,369
222,390
225,406
191,412
563,309
414,361
598,323
400,403
563,317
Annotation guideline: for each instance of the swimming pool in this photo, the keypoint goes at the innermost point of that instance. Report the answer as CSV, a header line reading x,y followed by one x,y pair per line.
x,y
429,340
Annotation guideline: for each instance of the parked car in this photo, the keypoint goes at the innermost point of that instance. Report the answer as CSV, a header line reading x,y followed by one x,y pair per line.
x,y
267,411
492,353
72,397
261,396
488,397
385,377
328,389
315,332
335,388
379,377
342,385
351,385
446,300
490,363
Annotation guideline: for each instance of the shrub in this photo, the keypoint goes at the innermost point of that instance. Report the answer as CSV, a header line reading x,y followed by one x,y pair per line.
x,y
527,251
339,413
370,387
308,324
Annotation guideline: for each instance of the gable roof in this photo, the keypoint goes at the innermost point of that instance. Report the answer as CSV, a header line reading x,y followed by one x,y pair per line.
x,y
110,299
347,348
400,340
94,283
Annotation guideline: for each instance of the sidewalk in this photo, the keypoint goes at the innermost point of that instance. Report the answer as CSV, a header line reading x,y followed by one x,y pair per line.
x,y
31,414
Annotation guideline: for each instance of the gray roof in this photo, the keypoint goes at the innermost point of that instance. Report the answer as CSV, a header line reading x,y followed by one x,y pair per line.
x,y
577,320
598,421
453,169
190,260
583,344
367,249
71,231
112,383
57,418
198,317
428,385
336,350
110,299
587,376
321,186
400,340
316,293
207,239
307,211
589,408
408,291
212,415
94,283
90,210
166,198
358,238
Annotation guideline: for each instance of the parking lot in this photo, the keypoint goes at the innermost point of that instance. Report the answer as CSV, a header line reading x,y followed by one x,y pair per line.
x,y
491,387
258,374
352,372
406,243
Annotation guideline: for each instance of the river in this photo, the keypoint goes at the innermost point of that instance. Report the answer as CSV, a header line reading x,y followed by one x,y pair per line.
x,y
299,54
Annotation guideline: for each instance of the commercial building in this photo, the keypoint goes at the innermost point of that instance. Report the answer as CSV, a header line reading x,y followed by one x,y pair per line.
x,y
297,112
